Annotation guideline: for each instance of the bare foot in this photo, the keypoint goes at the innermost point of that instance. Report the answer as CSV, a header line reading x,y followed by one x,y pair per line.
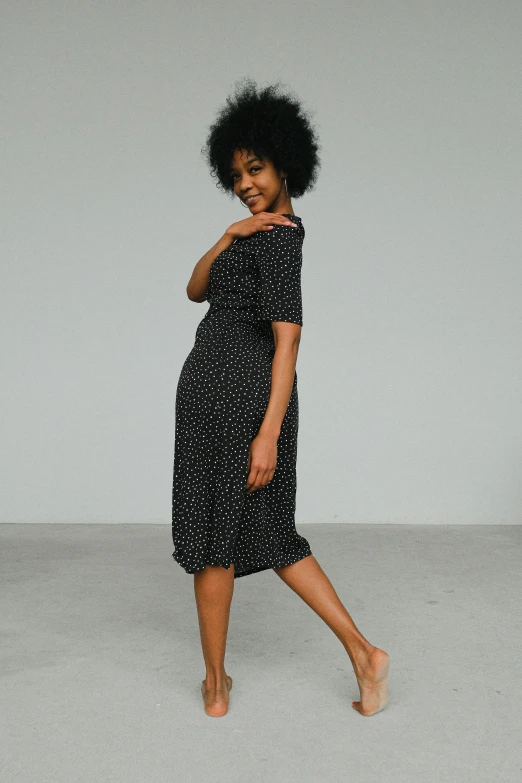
x,y
372,678
216,700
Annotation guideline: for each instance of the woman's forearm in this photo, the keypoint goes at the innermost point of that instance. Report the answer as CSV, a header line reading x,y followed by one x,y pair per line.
x,y
283,373
198,284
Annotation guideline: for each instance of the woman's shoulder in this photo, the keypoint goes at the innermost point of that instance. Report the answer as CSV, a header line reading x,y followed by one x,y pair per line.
x,y
281,234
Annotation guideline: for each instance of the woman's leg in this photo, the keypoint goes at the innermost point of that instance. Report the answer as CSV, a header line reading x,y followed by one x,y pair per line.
x,y
309,581
214,588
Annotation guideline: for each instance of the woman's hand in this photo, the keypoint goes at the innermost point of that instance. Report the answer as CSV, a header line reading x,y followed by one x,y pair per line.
x,y
263,221
262,460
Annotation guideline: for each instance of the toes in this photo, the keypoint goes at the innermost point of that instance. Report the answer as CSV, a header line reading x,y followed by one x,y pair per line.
x,y
358,707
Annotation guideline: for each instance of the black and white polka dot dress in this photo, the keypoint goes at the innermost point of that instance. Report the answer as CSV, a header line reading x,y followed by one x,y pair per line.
x,y
221,398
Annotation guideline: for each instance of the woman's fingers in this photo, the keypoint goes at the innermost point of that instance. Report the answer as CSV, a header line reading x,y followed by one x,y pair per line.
x,y
275,217
259,479
268,219
264,221
262,463
254,481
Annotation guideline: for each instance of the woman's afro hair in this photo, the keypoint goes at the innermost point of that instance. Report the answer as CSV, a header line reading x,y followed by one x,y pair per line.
x,y
274,126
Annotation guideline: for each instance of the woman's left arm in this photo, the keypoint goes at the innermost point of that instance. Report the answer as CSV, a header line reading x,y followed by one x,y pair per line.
x,y
286,337
280,301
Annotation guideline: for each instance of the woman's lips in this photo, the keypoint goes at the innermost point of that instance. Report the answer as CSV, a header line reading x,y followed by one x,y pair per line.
x,y
252,199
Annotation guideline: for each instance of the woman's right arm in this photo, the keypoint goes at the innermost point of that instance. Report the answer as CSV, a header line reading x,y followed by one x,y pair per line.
x,y
198,284
263,221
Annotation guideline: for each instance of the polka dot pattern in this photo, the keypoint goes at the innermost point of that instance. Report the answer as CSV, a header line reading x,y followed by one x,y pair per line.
x,y
221,398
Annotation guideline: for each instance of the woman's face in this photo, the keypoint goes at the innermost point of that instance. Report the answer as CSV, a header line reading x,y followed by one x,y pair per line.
x,y
254,177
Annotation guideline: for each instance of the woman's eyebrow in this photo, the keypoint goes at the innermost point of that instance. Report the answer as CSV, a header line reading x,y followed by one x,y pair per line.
x,y
250,160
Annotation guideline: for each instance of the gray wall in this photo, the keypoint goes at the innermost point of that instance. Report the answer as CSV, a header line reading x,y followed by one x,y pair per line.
x,y
409,368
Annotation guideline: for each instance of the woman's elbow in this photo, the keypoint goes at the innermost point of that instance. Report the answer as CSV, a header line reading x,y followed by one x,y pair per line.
x,y
196,296
287,334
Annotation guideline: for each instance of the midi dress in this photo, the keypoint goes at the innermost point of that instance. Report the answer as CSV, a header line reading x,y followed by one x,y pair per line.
x,y
221,398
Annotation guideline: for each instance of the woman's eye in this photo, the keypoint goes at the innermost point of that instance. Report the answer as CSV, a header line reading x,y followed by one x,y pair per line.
x,y
254,168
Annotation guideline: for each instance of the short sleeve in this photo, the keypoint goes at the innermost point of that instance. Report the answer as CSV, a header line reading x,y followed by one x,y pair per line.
x,y
279,262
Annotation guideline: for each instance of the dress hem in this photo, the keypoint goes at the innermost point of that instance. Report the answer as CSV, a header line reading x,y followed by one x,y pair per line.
x,y
254,569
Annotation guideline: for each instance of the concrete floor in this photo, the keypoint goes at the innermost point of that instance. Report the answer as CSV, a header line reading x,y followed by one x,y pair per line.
x,y
101,661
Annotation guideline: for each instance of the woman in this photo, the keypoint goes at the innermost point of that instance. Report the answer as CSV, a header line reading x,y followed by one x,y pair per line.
x,y
234,484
